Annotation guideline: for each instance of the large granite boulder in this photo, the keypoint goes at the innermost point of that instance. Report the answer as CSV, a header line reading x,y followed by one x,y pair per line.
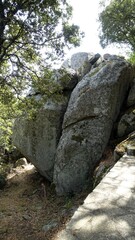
x,y
37,139
93,107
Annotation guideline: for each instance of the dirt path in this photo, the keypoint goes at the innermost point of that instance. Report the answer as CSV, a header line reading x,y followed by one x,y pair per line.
x,y
30,209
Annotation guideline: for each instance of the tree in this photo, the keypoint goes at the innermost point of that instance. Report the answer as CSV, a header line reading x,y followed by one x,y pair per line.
x,y
118,23
28,28
25,28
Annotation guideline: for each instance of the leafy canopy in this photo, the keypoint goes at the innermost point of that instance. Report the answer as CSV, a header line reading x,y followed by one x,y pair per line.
x,y
28,28
118,23
25,28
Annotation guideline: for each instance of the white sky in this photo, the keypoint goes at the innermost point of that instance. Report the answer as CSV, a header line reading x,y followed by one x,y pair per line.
x,y
85,14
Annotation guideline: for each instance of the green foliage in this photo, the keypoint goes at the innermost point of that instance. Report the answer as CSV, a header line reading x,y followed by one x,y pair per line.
x,y
7,111
27,29
71,34
118,23
132,58
68,204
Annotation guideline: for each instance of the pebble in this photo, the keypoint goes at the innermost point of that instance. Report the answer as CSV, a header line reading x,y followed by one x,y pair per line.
x,y
50,226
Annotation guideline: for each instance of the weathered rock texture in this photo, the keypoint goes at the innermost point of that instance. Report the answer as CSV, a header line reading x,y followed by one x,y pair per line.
x,y
126,124
93,107
81,63
66,151
37,139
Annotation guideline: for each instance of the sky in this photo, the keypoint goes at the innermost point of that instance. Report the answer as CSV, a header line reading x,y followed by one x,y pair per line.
x,y
85,14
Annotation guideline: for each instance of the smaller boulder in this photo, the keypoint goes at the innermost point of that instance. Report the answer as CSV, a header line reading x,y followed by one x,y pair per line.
x,y
106,56
20,162
122,147
80,63
95,58
110,57
126,124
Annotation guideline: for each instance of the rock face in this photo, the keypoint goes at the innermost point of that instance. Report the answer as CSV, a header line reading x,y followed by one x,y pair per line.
x,y
37,139
126,124
81,63
131,96
93,107
67,139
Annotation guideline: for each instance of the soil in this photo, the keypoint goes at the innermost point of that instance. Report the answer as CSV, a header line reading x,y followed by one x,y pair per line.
x,y
30,208
29,203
